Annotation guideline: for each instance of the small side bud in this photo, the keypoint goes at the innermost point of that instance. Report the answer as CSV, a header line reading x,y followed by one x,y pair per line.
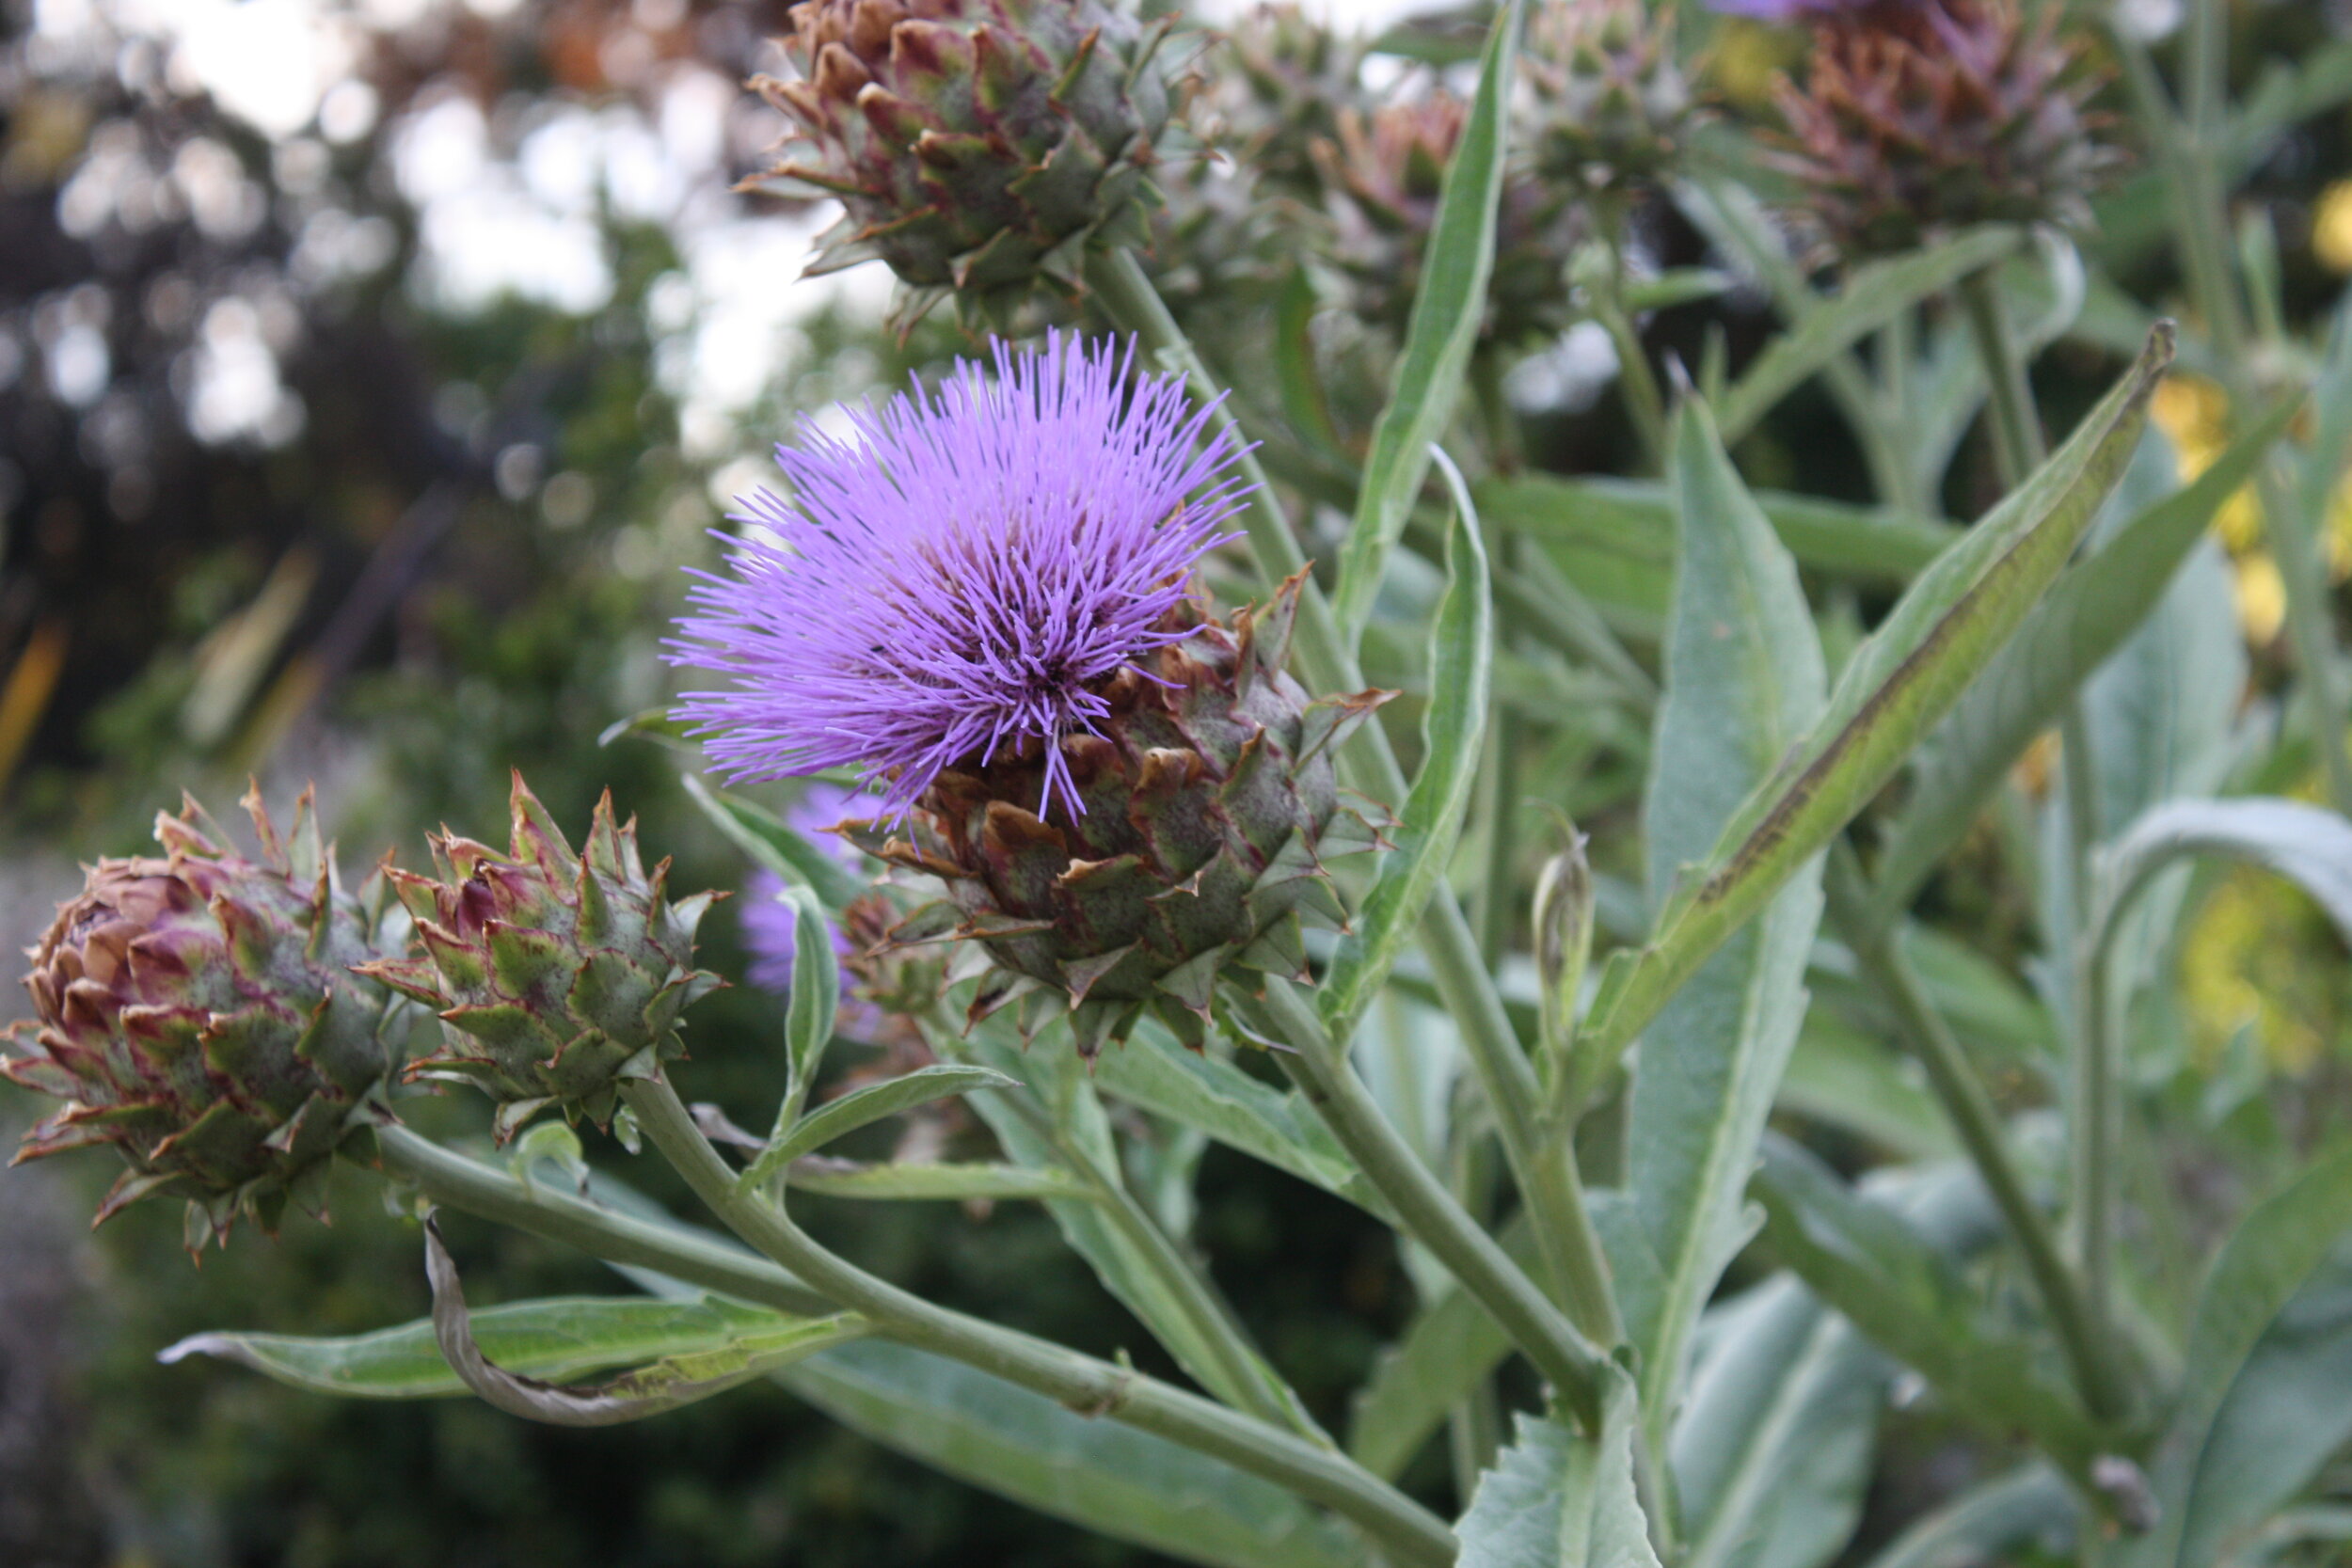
x,y
1563,943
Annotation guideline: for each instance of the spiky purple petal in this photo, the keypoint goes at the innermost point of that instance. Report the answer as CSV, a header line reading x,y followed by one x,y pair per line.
x,y
956,577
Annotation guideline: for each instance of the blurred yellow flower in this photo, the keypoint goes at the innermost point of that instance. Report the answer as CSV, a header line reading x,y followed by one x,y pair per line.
x,y
2194,414
2332,226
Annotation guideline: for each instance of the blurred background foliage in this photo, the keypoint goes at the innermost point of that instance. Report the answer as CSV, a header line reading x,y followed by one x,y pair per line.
x,y
367,372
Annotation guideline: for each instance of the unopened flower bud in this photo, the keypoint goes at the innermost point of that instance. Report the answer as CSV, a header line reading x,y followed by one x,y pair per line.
x,y
1564,943
556,975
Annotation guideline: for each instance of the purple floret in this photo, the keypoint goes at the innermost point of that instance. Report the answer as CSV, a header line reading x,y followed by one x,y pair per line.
x,y
1788,10
958,576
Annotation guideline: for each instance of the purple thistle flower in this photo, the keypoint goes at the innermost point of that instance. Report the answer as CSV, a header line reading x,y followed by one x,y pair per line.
x,y
955,579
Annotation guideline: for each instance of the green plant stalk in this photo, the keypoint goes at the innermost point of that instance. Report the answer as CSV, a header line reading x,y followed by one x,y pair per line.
x,y
1420,1201
1974,1117
2018,443
1644,403
1242,1369
1546,1182
2191,154
1411,1533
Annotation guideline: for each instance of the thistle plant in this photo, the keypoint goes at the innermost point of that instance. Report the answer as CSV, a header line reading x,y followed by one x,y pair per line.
x,y
1097,657
984,599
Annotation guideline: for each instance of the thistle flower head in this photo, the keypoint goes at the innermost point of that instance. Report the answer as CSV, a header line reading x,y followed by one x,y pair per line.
x,y
953,582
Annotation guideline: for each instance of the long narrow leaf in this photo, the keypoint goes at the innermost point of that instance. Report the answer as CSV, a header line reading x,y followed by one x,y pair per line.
x,y
763,835
2089,613
1897,685
1448,312
1461,658
871,1104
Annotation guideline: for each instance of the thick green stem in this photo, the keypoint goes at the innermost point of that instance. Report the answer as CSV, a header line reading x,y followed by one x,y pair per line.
x,y
1429,1213
1877,950
1240,1376
1411,1533
2018,443
1547,1181
488,1192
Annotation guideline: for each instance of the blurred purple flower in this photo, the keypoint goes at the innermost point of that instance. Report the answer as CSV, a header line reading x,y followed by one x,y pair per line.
x,y
766,917
1791,11
956,577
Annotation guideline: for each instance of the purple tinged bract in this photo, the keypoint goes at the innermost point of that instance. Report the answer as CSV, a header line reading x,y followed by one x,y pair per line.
x,y
954,579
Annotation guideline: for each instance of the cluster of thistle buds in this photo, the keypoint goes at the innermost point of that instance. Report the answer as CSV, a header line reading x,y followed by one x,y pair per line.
x,y
228,1025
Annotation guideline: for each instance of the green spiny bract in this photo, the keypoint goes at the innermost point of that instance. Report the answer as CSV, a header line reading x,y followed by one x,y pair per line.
x,y
1210,805
1918,120
556,975
976,146
197,1012
1610,101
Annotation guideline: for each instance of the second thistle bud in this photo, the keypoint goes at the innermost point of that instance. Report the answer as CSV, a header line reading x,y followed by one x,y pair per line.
x,y
976,146
1611,101
556,975
1921,117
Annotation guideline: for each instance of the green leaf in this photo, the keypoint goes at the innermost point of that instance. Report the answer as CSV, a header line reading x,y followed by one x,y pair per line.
x,y
2089,614
2310,846
1557,1500
673,1381
2000,1521
814,1003
1449,1348
1461,655
953,1183
1634,518
1059,1124
861,1107
1865,1260
1846,1078
1897,685
1744,679
1100,1475
1773,1447
2273,1309
762,834
1447,313
1873,295
1296,375
1213,1096
557,1339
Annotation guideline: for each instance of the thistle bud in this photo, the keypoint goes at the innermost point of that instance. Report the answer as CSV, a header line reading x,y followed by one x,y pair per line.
x,y
1924,117
197,1012
1564,943
556,975
976,146
1610,101
1385,171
